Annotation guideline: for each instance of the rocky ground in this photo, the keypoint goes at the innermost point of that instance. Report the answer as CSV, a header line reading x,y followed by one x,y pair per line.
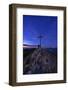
x,y
39,61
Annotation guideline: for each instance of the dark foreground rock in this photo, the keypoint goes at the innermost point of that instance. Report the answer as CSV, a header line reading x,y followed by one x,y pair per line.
x,y
39,61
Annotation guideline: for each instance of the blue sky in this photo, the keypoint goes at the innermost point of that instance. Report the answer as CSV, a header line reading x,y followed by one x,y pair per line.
x,y
33,26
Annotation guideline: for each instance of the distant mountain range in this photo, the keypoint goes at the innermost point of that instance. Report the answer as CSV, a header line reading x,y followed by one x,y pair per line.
x,y
36,46
29,46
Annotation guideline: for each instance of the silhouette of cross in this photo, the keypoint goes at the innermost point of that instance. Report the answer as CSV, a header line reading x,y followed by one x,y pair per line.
x,y
40,39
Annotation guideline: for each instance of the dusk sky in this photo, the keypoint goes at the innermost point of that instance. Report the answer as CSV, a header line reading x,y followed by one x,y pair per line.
x,y
33,26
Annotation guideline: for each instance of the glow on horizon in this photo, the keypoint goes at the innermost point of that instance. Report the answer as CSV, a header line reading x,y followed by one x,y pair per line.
x,y
29,42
